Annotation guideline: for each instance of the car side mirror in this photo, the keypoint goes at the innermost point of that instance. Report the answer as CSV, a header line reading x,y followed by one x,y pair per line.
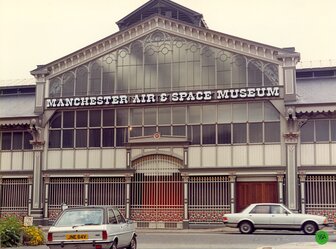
x,y
128,221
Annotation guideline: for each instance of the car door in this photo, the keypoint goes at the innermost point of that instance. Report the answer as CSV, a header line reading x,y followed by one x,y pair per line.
x,y
281,218
261,216
125,236
113,226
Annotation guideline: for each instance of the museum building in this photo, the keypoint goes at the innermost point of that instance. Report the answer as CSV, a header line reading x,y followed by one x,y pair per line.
x,y
172,122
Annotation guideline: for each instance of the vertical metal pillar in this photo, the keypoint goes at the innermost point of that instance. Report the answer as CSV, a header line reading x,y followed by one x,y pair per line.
x,y
185,201
128,180
46,196
86,190
280,187
303,192
232,180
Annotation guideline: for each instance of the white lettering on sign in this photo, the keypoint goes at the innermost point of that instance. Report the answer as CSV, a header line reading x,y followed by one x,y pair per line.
x,y
227,94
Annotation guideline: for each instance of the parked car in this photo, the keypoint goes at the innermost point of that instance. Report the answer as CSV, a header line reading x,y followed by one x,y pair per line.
x,y
273,216
335,225
93,228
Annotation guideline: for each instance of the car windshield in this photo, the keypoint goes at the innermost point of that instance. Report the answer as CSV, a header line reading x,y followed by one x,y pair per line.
x,y
80,217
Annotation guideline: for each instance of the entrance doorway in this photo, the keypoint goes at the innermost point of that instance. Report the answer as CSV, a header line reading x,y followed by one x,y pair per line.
x,y
255,192
157,192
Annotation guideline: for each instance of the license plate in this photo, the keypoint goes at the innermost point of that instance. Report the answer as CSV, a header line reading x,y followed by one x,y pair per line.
x,y
76,236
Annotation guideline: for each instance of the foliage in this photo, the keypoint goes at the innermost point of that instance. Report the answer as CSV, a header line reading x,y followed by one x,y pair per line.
x,y
33,236
10,231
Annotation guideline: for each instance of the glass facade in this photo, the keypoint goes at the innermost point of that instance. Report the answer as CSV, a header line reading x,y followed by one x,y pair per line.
x,y
319,130
161,62
15,140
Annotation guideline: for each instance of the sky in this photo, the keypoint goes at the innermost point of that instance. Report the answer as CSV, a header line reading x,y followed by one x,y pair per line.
x,y
36,32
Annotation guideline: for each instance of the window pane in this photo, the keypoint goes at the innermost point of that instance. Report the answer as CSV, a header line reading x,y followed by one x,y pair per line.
x,y
6,141
95,119
68,139
122,117
165,130
26,142
108,137
136,132
165,115
150,116
179,130
179,115
81,138
270,112
148,131
54,139
94,138
307,132
194,114
209,114
121,136
81,118
255,112
224,113
239,133
322,130
56,120
68,119
333,130
194,134
255,133
239,113
136,116
17,140
272,132
209,134
224,134
108,117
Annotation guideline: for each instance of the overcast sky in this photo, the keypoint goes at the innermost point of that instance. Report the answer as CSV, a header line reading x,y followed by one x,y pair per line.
x,y
35,32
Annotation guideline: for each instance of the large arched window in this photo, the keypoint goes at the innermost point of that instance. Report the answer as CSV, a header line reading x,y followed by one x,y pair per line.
x,y
160,62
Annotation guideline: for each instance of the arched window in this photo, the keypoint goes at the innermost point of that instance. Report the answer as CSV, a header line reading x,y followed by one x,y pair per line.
x,y
179,64
238,66
193,67
95,77
68,84
81,81
136,67
271,75
55,87
123,66
208,67
254,71
223,61
109,73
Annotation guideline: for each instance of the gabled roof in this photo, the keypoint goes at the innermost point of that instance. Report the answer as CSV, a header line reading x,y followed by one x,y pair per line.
x,y
165,8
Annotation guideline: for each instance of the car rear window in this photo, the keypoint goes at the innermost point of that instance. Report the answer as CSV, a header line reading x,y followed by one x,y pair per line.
x,y
80,217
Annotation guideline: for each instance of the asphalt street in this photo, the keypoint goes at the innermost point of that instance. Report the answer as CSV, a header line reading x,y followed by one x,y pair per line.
x,y
224,239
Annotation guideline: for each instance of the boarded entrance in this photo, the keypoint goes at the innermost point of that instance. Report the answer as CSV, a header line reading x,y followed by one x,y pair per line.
x,y
253,192
157,192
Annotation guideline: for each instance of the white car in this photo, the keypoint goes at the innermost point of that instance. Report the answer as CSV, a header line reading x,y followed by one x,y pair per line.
x,y
273,216
92,228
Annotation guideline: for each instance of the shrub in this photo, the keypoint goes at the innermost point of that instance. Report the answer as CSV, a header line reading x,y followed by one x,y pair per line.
x,y
33,236
10,231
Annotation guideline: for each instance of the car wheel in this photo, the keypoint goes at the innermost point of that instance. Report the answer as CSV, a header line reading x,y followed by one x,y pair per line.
x,y
114,245
246,227
133,244
309,228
